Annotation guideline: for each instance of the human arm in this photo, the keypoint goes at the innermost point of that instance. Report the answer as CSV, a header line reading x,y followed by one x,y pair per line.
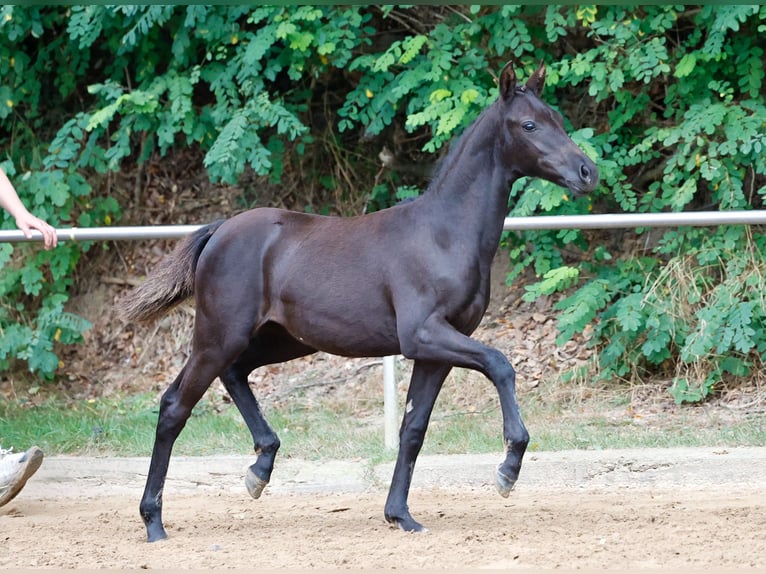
x,y
25,221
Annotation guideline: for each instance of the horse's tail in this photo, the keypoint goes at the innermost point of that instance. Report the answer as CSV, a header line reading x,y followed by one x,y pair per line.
x,y
171,282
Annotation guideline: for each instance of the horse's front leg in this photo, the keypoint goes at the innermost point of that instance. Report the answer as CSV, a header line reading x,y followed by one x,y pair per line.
x,y
425,384
515,435
436,340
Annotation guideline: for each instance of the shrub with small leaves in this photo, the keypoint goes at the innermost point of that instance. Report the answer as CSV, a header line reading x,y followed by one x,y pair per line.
x,y
669,101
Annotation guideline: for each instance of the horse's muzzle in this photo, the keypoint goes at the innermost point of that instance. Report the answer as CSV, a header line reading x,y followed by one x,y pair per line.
x,y
587,178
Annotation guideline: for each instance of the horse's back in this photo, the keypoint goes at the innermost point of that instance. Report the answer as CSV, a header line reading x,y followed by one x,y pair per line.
x,y
322,278
312,238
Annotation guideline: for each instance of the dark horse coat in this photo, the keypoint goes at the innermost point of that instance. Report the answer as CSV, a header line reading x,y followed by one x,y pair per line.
x,y
271,285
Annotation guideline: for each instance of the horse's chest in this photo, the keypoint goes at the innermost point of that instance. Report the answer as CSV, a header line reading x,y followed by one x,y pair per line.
x,y
469,317
469,300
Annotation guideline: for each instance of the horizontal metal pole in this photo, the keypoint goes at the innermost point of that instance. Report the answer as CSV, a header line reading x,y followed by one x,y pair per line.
x,y
105,233
616,220
535,222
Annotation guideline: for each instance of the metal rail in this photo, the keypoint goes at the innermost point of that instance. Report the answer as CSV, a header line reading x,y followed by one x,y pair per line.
x,y
104,233
535,222
616,220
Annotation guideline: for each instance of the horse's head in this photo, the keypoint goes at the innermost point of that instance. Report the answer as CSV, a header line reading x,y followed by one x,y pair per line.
x,y
535,140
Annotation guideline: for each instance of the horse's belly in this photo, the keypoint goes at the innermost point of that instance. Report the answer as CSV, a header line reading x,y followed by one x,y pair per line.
x,y
348,330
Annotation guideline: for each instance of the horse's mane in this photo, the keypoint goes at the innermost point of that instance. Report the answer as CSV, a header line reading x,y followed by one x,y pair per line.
x,y
456,147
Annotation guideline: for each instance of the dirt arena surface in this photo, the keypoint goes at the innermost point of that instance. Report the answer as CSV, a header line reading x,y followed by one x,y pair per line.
x,y
622,509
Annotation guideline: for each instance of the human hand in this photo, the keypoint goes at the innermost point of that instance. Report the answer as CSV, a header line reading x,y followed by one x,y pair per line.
x,y
26,222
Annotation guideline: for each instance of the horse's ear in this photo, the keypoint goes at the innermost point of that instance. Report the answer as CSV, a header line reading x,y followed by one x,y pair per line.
x,y
536,81
507,82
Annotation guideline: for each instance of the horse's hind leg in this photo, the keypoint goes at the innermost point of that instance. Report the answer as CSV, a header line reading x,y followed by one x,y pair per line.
x,y
174,412
175,408
265,440
264,349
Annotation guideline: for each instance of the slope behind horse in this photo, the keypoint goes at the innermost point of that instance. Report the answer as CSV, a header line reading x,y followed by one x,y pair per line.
x,y
272,285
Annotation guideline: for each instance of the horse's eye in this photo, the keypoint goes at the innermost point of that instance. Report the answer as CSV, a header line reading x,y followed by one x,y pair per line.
x,y
529,126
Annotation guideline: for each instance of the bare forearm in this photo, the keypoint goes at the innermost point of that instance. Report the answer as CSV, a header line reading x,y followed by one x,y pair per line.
x,y
9,200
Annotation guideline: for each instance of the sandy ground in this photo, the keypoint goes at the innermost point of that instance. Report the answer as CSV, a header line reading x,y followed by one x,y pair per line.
x,y
669,508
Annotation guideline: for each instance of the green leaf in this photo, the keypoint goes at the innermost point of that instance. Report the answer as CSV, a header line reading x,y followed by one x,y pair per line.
x,y
686,65
580,308
102,117
684,392
587,14
554,280
411,46
629,312
439,94
31,279
469,96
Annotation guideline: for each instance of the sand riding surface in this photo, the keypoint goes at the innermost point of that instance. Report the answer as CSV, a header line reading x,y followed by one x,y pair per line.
x,y
665,508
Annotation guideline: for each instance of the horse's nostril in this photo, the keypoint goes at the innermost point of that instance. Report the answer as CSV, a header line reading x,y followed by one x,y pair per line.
x,y
585,173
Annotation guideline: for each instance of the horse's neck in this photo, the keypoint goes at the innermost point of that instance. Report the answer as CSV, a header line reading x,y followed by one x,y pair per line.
x,y
471,195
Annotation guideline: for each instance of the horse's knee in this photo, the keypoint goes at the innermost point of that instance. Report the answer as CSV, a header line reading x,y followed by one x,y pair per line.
x,y
500,370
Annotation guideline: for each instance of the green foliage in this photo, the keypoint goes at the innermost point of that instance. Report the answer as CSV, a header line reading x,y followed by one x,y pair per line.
x,y
699,73
676,122
124,82
698,317
34,283
256,63
668,100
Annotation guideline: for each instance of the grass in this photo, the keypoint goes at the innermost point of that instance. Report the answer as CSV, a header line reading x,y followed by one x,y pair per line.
x,y
122,426
466,420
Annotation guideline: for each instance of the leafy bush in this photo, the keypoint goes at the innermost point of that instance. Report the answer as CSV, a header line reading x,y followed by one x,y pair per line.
x,y
674,100
684,90
38,281
124,82
668,99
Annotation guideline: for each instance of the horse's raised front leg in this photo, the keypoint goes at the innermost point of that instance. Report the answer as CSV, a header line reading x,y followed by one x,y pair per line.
x,y
266,348
425,384
437,340
515,435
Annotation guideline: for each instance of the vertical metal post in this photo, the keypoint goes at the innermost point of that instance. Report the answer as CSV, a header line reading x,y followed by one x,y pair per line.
x,y
390,407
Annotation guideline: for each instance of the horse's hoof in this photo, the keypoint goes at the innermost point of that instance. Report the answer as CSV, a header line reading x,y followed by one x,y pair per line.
x,y
504,483
407,524
156,534
254,484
